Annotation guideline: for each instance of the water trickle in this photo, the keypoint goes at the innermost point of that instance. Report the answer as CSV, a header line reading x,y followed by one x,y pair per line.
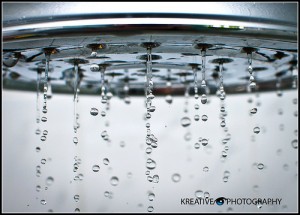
x,y
176,177
47,56
96,168
185,121
252,84
114,181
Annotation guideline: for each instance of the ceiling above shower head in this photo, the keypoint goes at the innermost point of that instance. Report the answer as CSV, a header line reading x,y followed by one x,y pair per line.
x,y
89,34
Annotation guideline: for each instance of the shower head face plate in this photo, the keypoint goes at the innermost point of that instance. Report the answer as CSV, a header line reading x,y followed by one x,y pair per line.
x,y
121,49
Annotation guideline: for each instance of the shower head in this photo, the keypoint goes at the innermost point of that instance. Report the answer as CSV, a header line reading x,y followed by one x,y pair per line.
x,y
118,43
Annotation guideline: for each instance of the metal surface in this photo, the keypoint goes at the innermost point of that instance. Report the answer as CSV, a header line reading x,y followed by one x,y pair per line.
x,y
118,40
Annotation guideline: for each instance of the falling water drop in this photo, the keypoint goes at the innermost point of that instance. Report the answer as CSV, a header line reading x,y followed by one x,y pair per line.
x,y
151,196
204,142
197,145
75,140
253,110
76,198
185,121
204,118
199,193
176,177
43,202
150,209
155,178
169,99
196,117
260,166
38,188
77,210
223,124
256,130
148,150
206,195
38,132
105,161
37,149
43,161
49,181
114,181
44,119
103,113
203,99
205,169
96,168
295,144
151,164
94,111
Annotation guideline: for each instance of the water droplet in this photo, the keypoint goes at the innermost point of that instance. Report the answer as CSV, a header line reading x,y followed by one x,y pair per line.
x,y
75,140
206,195
205,169
296,113
77,210
155,178
225,179
260,166
105,161
176,177
76,198
197,145
43,202
37,131
203,99
169,99
43,161
286,167
37,149
122,144
106,193
151,196
224,154
152,108
94,67
93,54
185,121
150,209
38,188
199,193
96,168
104,134
196,117
114,181
196,96
204,142
44,119
295,144
151,164
252,85
223,124
188,136
148,150
147,172
148,115
196,106
49,181
256,130
103,113
295,101
204,118
226,148
45,109
94,111
253,111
